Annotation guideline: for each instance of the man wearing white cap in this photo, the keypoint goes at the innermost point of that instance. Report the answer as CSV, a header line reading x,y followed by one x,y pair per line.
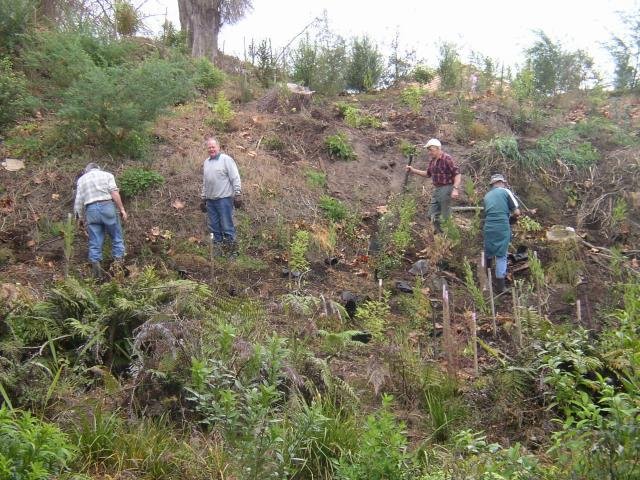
x,y
446,178
499,205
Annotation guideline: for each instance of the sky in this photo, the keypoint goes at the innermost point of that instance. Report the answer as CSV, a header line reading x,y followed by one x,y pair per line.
x,y
500,29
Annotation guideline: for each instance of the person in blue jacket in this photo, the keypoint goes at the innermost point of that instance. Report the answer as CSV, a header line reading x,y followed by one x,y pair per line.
x,y
499,205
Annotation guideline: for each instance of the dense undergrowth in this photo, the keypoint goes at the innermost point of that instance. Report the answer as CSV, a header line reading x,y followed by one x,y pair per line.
x,y
157,376
197,386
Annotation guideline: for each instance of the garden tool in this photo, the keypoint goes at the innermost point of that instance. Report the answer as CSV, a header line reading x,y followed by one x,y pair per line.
x,y
406,174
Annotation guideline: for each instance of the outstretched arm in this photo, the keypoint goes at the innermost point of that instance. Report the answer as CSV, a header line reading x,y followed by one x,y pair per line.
x,y
415,171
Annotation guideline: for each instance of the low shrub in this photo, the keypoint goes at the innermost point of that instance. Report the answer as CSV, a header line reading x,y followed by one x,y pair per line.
x,y
506,147
603,131
27,140
30,448
15,100
315,178
355,118
465,120
339,147
6,257
58,59
134,181
273,143
222,111
207,76
479,131
298,252
408,149
333,208
382,451
528,224
423,74
412,97
115,106
15,18
109,52
564,145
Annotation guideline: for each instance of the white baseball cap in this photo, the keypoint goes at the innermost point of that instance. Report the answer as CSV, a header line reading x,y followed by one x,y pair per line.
x,y
434,142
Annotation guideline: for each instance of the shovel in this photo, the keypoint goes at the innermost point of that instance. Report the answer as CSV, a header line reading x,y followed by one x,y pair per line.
x,y
406,174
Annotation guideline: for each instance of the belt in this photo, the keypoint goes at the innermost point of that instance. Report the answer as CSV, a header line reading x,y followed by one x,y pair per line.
x,y
98,201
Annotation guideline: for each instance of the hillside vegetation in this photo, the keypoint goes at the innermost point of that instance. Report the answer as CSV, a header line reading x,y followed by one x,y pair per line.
x,y
316,354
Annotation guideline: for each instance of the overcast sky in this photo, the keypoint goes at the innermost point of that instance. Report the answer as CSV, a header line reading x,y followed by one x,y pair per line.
x,y
501,29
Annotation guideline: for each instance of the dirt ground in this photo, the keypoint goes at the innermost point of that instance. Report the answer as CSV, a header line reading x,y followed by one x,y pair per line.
x,y
166,226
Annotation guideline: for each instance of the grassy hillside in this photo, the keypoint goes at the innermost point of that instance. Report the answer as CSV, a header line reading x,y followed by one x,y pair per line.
x,y
304,358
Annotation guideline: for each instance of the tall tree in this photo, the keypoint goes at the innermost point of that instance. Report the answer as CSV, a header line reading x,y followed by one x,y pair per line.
x,y
555,69
366,65
203,19
625,50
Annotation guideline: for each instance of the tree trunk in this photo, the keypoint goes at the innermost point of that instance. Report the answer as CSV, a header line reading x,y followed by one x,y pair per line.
x,y
48,9
201,20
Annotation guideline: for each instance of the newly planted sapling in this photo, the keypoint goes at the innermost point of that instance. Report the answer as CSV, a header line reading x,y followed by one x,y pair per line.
x,y
479,301
68,233
298,262
222,111
408,149
339,147
373,315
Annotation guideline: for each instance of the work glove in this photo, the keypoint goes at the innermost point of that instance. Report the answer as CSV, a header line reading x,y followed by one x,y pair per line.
x,y
203,206
237,200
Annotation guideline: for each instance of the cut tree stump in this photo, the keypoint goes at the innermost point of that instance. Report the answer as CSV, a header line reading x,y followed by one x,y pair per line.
x,y
290,97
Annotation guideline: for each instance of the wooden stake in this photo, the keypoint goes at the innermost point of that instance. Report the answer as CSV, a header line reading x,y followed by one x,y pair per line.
x,y
494,323
474,341
482,273
446,329
583,292
516,314
579,311
211,258
538,290
67,239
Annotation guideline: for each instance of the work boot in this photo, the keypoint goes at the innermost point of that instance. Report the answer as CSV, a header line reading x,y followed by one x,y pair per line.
x,y
231,249
218,249
96,271
117,267
500,285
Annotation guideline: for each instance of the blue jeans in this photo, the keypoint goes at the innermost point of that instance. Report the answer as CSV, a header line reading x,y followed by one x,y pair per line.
x,y
220,213
501,266
102,218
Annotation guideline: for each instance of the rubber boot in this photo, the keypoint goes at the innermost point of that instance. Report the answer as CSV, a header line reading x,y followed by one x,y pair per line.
x,y
218,249
96,271
500,285
117,268
232,249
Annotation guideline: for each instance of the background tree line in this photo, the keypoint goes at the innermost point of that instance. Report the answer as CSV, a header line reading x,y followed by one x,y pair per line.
x,y
79,59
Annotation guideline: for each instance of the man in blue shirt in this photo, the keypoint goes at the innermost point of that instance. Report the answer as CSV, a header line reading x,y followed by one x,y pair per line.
x,y
499,205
